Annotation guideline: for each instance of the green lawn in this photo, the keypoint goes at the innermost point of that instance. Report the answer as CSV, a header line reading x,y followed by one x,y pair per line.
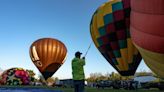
x,y
87,89
109,90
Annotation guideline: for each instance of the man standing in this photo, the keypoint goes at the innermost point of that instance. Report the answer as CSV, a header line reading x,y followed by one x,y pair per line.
x,y
78,72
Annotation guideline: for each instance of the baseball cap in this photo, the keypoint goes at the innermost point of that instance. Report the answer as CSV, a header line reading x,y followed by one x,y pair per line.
x,y
78,53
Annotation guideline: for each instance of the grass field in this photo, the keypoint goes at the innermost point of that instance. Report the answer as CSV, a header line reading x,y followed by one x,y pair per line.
x,y
109,90
87,89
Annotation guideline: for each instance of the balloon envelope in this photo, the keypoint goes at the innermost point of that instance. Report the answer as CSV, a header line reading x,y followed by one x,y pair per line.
x,y
48,55
110,32
147,30
15,76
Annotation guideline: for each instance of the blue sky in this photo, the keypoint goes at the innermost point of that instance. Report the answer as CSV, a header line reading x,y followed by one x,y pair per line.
x,y
24,21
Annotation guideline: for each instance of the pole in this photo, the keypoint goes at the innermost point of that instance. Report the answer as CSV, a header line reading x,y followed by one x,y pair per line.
x,y
88,49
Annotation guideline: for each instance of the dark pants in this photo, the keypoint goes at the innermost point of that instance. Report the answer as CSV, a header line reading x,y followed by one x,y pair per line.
x,y
79,85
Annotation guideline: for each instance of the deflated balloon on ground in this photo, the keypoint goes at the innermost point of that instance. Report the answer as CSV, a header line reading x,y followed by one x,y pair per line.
x,y
15,76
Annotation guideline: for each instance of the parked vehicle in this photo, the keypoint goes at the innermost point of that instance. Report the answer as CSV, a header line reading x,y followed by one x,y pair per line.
x,y
65,83
104,84
38,83
159,85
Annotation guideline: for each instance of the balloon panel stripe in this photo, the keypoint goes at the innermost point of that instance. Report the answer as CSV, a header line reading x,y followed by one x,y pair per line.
x,y
147,34
153,60
55,50
49,50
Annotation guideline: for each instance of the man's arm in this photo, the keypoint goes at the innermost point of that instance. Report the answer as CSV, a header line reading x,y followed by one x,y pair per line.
x,y
83,61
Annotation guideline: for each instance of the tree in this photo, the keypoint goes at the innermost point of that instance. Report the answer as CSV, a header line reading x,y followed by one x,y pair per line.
x,y
95,77
144,73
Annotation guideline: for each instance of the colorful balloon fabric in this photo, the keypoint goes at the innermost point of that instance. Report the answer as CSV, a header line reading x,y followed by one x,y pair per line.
x,y
15,76
147,30
110,32
48,55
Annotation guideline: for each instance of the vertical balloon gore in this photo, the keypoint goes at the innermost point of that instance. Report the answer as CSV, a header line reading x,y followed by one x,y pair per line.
x,y
109,29
48,55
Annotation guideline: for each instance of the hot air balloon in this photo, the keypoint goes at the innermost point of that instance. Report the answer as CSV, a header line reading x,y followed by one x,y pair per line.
x,y
109,30
48,55
147,31
15,76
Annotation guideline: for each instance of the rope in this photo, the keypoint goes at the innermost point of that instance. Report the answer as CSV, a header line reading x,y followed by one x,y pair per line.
x,y
88,49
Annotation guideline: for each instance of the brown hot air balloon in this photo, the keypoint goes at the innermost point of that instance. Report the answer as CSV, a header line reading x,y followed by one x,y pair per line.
x,y
48,55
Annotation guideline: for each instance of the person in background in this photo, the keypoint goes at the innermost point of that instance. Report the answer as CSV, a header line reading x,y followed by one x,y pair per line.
x,y
78,72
